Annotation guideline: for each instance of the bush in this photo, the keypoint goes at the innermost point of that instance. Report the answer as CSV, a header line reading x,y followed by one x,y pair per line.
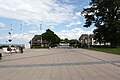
x,y
100,46
38,47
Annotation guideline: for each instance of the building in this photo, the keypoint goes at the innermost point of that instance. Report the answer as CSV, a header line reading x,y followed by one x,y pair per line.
x,y
64,45
86,40
37,42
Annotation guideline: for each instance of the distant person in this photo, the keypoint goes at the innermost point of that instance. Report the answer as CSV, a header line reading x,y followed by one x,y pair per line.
x,y
49,47
21,49
0,56
14,48
9,49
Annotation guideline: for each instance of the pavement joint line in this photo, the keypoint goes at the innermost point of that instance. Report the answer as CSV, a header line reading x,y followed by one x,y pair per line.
x,y
57,64
101,60
31,56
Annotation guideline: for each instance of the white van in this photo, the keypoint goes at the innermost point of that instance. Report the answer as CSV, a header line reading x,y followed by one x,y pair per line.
x,y
13,50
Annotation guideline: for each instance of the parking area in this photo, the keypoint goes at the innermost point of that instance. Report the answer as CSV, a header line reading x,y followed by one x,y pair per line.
x,y
60,64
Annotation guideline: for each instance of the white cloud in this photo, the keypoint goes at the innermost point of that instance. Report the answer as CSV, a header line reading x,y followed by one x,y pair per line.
x,y
52,27
26,36
75,20
73,34
70,34
74,23
47,11
88,6
2,24
67,1
78,13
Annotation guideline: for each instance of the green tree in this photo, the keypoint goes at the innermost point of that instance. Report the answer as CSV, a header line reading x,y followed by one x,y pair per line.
x,y
51,37
74,43
66,40
105,14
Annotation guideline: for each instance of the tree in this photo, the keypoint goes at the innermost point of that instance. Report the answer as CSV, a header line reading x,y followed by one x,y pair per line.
x,y
66,40
74,43
51,37
105,14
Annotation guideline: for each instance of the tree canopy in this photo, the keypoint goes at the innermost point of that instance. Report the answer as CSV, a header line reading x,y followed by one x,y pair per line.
x,y
105,14
72,42
51,37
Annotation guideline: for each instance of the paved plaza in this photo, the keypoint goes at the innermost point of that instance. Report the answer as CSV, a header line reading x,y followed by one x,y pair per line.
x,y
60,64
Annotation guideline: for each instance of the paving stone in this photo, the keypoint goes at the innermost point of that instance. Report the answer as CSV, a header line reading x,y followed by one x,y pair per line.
x,y
60,64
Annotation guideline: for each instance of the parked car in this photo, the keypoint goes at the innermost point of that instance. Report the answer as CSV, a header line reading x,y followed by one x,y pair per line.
x,y
10,50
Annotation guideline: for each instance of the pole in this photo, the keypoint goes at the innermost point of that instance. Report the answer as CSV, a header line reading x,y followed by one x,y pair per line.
x,y
21,33
10,35
41,33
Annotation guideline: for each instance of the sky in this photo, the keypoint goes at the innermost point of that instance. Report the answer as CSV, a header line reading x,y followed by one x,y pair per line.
x,y
26,18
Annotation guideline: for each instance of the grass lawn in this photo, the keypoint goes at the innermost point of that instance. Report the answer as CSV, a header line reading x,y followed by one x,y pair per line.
x,y
108,50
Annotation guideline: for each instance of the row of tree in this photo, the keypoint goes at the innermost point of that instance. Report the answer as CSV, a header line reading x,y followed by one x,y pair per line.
x,y
105,15
72,42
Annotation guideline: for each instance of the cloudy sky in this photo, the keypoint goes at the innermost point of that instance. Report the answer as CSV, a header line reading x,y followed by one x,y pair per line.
x,y
26,18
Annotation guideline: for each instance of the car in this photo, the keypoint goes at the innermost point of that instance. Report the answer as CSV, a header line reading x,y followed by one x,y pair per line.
x,y
13,50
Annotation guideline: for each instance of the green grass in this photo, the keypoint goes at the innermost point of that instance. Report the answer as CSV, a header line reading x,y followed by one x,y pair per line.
x,y
108,50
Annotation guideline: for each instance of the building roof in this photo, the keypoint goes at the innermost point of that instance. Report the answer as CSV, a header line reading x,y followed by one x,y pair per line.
x,y
37,40
86,35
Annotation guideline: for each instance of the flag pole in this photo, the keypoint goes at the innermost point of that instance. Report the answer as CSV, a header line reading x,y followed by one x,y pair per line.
x,y
21,33
41,33
10,35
